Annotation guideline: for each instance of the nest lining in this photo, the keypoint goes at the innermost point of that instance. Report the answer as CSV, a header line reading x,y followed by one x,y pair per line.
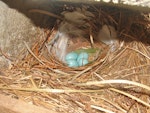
x,y
117,81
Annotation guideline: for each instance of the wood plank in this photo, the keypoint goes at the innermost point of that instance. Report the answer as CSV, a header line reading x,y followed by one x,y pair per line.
x,y
10,105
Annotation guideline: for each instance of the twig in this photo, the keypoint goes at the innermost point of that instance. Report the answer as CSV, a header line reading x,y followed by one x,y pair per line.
x,y
79,74
46,12
33,53
139,52
56,71
115,82
131,96
101,109
5,55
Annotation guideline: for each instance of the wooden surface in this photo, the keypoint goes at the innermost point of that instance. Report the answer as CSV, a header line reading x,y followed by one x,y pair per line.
x,y
10,105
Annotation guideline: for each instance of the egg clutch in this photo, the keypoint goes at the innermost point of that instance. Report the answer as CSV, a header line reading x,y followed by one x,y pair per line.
x,y
80,57
75,60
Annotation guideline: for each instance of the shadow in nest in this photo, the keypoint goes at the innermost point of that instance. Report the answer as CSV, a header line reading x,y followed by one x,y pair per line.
x,y
130,24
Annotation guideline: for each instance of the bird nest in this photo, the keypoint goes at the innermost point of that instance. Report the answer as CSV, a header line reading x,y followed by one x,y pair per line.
x,y
116,81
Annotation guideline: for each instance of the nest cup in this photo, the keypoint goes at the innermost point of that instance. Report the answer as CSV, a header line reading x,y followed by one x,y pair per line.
x,y
83,27
80,31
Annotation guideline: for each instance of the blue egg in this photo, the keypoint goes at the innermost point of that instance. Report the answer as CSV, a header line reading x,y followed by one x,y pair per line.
x,y
71,55
82,55
82,62
72,63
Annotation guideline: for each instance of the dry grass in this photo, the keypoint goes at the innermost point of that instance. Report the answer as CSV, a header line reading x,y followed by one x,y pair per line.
x,y
117,82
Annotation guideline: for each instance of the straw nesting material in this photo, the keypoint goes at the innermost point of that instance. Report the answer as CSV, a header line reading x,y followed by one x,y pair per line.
x,y
116,81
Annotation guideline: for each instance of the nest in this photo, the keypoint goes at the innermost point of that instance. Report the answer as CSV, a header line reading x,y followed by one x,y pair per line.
x,y
116,82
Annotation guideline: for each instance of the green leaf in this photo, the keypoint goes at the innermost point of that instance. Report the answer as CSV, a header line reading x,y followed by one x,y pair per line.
x,y
89,50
